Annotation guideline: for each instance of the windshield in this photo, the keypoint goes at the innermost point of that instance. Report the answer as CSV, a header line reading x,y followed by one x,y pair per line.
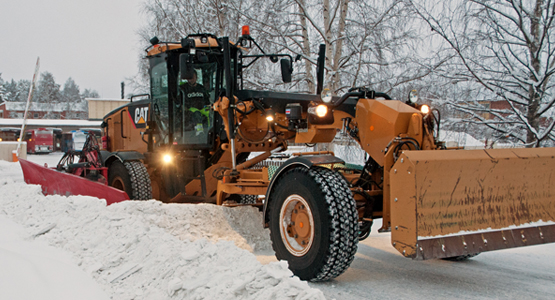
x,y
79,139
193,117
43,135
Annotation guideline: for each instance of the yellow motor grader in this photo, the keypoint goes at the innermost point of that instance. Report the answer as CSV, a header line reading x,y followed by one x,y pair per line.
x,y
202,137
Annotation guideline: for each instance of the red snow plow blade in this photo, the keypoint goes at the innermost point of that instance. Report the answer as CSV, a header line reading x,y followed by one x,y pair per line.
x,y
60,183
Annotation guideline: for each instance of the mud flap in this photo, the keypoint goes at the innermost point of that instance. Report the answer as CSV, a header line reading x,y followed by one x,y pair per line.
x,y
456,202
59,183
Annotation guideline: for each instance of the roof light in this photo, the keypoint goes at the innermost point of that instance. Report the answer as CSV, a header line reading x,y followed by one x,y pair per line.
x,y
245,30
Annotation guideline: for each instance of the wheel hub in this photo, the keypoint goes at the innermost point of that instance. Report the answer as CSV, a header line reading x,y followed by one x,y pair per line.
x,y
297,225
118,184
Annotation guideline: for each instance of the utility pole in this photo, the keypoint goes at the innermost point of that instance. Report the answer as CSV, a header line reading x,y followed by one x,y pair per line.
x,y
31,89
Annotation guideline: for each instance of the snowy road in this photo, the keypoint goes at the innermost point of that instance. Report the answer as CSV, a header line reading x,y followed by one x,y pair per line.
x,y
378,271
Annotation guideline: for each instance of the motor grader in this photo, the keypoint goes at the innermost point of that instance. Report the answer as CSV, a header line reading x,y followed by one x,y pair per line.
x,y
436,202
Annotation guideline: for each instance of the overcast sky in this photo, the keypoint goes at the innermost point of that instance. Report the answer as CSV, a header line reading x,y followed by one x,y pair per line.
x,y
94,42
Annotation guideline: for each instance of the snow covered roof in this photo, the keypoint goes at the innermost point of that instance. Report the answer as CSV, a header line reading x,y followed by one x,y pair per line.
x,y
50,123
462,138
46,107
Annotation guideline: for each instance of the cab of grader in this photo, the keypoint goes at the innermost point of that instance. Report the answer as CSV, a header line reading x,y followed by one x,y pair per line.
x,y
202,137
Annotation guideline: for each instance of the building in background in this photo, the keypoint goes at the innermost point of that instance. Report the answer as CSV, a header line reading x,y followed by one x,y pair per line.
x,y
67,111
99,107
59,118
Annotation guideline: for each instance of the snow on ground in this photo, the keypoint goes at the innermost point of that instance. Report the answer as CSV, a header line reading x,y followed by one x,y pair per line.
x,y
143,249
149,250
31,269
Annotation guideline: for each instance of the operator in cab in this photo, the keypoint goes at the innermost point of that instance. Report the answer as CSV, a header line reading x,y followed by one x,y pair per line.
x,y
196,106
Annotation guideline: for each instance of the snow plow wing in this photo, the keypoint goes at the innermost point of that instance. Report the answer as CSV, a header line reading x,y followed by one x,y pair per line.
x,y
60,183
459,202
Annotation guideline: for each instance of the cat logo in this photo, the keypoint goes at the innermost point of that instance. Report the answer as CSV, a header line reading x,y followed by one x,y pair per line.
x,y
138,115
141,115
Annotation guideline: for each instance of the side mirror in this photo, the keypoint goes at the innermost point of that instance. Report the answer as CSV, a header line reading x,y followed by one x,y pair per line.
x,y
185,67
286,69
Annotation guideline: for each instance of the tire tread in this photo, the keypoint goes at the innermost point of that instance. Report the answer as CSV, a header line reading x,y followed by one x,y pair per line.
x,y
343,225
140,180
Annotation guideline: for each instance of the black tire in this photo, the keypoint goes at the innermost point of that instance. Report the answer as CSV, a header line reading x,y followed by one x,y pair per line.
x,y
322,199
132,178
461,257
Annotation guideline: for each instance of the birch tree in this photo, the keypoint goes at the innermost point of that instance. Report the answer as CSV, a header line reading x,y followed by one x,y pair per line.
x,y
505,47
172,20
369,43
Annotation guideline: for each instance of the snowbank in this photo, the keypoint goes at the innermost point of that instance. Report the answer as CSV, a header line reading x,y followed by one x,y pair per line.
x,y
33,270
150,250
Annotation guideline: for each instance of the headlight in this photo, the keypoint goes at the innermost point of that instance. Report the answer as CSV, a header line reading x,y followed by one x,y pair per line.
x,y
167,158
326,96
321,111
425,109
270,115
320,115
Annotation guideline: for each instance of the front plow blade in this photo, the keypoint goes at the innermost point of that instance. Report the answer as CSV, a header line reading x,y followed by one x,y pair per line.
x,y
458,202
59,183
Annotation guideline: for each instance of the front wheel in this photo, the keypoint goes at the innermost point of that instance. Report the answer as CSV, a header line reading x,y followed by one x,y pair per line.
x,y
314,223
131,177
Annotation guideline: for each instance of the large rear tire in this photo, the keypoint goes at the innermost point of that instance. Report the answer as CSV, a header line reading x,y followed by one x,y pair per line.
x,y
132,178
314,223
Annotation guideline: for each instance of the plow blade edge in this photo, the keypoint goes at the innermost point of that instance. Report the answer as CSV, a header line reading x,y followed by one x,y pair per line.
x,y
458,202
59,183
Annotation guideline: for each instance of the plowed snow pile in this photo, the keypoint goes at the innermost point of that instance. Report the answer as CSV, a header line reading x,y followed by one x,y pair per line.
x,y
150,250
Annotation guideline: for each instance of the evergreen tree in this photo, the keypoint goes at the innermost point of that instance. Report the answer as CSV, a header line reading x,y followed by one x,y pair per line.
x,y
71,92
71,99
22,90
88,93
15,90
10,88
48,91
2,89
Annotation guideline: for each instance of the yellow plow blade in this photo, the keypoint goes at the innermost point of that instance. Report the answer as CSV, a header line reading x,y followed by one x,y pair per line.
x,y
447,203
